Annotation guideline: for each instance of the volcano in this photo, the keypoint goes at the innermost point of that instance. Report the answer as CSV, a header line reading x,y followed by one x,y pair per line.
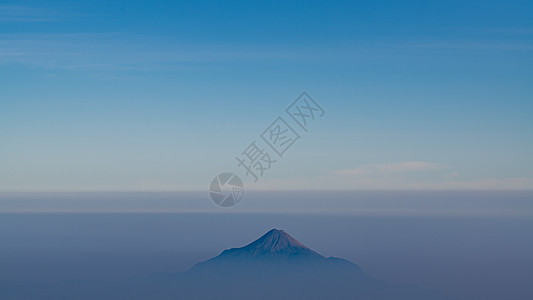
x,y
275,251
277,266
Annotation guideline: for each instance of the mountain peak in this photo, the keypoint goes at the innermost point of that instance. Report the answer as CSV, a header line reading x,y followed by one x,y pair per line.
x,y
274,246
275,240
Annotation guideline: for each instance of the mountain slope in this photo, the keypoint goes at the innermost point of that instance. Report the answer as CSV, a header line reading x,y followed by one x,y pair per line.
x,y
274,255
278,266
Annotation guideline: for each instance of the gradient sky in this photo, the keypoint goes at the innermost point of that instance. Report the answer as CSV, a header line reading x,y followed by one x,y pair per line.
x,y
162,95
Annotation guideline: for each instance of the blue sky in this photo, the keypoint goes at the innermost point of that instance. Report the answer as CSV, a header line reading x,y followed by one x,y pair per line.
x,y
162,95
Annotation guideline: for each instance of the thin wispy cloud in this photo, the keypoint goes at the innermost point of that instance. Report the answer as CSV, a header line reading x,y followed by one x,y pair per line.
x,y
114,51
388,168
403,175
15,13
398,181
469,45
419,175
23,14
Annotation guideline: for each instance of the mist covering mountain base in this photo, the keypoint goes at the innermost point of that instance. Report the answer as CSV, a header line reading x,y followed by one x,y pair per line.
x,y
276,266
